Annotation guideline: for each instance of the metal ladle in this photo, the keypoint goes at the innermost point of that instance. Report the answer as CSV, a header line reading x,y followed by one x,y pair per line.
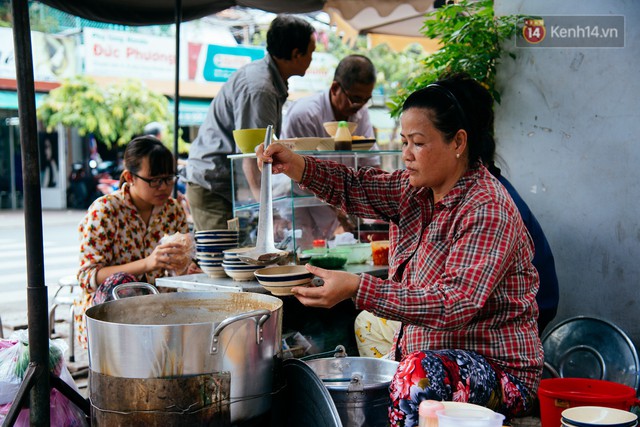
x,y
265,252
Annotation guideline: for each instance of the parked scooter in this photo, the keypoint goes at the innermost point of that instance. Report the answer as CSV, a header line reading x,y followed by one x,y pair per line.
x,y
82,189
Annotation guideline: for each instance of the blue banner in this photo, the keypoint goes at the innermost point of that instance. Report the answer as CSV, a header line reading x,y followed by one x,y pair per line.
x,y
222,61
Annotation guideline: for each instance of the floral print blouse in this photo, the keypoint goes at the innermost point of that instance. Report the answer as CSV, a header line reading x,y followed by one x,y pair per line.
x,y
112,233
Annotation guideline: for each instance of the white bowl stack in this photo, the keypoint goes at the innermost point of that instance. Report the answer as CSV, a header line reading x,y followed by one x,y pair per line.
x,y
598,416
210,245
235,268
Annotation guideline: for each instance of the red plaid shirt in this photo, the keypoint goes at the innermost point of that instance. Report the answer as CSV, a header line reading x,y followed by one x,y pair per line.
x,y
460,273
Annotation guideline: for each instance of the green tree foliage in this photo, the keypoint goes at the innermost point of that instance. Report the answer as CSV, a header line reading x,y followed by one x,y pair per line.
x,y
472,40
113,114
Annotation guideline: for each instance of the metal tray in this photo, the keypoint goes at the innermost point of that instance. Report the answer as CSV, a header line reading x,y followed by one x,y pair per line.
x,y
589,347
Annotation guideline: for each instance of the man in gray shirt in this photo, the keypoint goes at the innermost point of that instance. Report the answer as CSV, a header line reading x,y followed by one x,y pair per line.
x,y
252,98
346,99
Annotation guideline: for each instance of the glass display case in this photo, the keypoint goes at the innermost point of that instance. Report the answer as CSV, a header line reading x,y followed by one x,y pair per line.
x,y
299,217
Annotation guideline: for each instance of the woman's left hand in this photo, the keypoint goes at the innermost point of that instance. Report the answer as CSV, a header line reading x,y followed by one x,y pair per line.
x,y
338,286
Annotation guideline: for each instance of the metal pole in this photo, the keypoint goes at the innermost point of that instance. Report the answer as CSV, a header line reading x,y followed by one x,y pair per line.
x,y
36,290
176,101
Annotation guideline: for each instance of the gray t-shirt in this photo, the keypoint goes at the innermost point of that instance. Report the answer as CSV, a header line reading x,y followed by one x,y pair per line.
x,y
252,98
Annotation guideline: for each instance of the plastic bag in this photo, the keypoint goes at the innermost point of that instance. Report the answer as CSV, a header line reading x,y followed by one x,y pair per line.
x,y
10,353
63,413
14,361
183,260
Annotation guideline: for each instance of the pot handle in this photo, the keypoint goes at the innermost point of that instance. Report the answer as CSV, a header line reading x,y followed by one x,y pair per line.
x,y
261,316
117,288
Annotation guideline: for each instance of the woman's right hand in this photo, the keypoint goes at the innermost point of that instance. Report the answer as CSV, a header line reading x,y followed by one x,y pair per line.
x,y
163,257
282,159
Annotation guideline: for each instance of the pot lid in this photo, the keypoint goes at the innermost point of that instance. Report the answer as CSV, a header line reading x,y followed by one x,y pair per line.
x,y
307,401
589,347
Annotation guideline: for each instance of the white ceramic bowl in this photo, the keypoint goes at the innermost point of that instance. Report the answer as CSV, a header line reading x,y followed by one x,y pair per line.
x,y
280,280
241,276
332,127
591,416
213,271
216,233
217,240
302,144
234,252
209,256
233,261
568,424
213,247
240,267
209,264
240,272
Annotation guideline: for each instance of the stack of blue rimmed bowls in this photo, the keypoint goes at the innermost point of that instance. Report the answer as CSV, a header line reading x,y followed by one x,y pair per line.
x,y
210,245
235,268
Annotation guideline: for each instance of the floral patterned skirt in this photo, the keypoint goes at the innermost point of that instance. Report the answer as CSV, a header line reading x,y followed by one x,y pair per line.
x,y
454,375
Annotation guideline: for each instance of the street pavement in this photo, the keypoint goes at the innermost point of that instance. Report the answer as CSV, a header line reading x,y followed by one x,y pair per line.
x,y
60,243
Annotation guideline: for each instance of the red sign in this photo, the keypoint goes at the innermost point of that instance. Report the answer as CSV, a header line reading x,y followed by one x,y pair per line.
x,y
534,30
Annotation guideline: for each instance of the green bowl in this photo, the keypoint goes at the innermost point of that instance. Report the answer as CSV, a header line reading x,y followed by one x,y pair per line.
x,y
329,262
357,253
248,139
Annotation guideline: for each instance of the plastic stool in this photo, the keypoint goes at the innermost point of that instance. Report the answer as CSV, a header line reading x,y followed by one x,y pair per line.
x,y
66,283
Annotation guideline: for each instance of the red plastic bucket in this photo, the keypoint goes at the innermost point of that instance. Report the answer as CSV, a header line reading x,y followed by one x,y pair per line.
x,y
558,394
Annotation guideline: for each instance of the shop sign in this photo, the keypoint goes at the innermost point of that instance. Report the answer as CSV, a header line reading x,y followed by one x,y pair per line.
x,y
222,61
53,56
319,75
125,54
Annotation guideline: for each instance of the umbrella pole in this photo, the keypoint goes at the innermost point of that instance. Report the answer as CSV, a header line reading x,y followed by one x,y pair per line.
x,y
36,382
176,103
37,303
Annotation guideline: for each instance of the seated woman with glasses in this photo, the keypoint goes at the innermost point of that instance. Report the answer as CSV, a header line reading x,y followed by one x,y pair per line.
x,y
120,234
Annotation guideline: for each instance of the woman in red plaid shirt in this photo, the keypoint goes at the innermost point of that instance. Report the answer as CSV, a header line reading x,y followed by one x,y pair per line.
x,y
460,279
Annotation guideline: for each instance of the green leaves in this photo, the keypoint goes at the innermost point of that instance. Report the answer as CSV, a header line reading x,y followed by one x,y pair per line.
x,y
114,114
472,40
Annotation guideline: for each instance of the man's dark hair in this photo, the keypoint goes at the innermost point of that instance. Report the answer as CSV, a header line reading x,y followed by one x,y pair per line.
x,y
355,69
288,32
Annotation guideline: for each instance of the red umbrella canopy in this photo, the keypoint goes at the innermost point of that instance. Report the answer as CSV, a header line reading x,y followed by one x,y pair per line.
x,y
155,12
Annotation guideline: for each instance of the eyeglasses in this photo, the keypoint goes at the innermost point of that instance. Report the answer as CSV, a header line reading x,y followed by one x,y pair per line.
x,y
353,100
157,182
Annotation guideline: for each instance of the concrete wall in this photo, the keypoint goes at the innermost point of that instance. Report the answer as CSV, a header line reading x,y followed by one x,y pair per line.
x,y
567,130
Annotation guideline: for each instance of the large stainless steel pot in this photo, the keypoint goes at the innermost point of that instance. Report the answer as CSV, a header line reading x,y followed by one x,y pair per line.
x,y
359,387
191,333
